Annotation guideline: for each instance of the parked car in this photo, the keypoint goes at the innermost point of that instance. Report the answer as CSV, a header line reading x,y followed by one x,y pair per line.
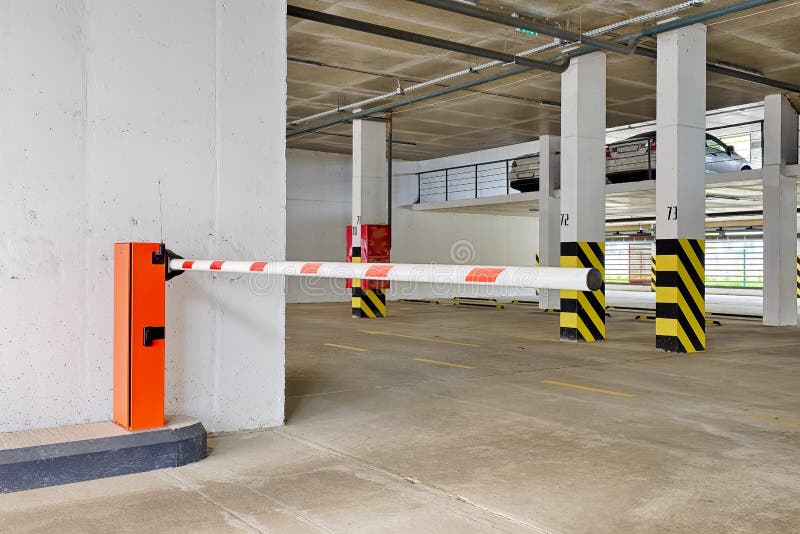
x,y
524,173
634,159
631,160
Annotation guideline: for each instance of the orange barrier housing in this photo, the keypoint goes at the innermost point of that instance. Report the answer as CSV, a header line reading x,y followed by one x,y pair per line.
x,y
139,302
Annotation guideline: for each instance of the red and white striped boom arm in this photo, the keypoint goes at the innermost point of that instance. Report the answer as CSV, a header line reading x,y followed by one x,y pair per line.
x,y
530,277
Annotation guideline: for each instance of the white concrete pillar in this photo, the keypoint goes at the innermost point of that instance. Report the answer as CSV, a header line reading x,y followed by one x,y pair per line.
x,y
549,203
780,212
583,186
370,206
369,173
117,117
680,190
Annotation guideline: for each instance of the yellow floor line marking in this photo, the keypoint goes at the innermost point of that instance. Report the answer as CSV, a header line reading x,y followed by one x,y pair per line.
x,y
348,347
288,337
774,420
381,333
437,362
587,388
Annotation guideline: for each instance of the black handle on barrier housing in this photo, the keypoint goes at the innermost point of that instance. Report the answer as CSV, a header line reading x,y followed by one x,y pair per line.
x,y
151,333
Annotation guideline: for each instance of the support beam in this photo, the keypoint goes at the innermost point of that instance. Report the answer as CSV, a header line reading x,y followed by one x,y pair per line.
x,y
370,207
549,238
780,212
680,190
530,25
394,33
651,31
583,185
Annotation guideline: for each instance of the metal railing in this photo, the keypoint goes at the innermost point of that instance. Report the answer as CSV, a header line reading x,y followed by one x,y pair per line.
x,y
628,261
734,263
632,160
466,181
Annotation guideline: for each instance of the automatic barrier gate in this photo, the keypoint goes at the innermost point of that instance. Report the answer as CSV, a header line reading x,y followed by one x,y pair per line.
x,y
141,270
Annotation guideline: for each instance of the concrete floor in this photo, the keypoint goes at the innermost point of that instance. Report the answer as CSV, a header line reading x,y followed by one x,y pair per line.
x,y
444,419
715,304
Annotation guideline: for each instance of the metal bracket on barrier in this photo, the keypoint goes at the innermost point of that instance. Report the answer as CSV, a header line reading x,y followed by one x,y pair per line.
x,y
162,257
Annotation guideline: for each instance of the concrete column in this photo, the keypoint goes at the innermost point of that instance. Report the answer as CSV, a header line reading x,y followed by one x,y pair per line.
x,y
583,186
118,117
370,206
680,190
780,212
369,173
549,237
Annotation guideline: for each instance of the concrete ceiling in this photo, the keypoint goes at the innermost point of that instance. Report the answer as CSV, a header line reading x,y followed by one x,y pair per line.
x,y
329,66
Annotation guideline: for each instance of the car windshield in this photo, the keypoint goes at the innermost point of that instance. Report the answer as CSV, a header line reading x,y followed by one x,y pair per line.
x,y
715,144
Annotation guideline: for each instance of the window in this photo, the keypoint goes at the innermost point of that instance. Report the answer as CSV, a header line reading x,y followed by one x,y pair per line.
x,y
735,263
730,262
628,261
715,144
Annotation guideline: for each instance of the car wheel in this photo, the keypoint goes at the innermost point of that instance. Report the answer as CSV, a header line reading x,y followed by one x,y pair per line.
x,y
746,168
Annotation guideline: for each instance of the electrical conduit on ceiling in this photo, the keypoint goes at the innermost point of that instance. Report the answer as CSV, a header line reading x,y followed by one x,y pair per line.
x,y
478,68
650,32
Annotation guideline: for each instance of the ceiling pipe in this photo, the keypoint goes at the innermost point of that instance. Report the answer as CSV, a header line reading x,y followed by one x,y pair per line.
x,y
632,41
733,73
679,23
406,101
770,82
393,33
544,29
439,80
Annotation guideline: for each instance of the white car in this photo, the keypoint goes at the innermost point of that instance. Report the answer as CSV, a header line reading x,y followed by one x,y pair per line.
x,y
631,160
524,173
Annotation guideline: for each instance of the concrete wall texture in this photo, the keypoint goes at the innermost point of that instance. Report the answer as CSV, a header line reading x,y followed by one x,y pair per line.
x,y
318,201
118,118
457,238
318,209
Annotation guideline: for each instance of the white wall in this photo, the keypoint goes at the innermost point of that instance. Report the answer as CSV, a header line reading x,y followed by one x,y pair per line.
x,y
423,237
318,202
101,101
318,209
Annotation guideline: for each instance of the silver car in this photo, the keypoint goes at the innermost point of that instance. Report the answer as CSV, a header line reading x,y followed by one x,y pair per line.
x,y
631,160
634,158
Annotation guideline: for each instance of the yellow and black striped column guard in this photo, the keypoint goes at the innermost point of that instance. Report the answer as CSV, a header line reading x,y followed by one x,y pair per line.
x,y
583,313
366,303
680,295
798,276
653,274
537,264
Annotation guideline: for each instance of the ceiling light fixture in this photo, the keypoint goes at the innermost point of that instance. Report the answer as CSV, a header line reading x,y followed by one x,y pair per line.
x,y
745,232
